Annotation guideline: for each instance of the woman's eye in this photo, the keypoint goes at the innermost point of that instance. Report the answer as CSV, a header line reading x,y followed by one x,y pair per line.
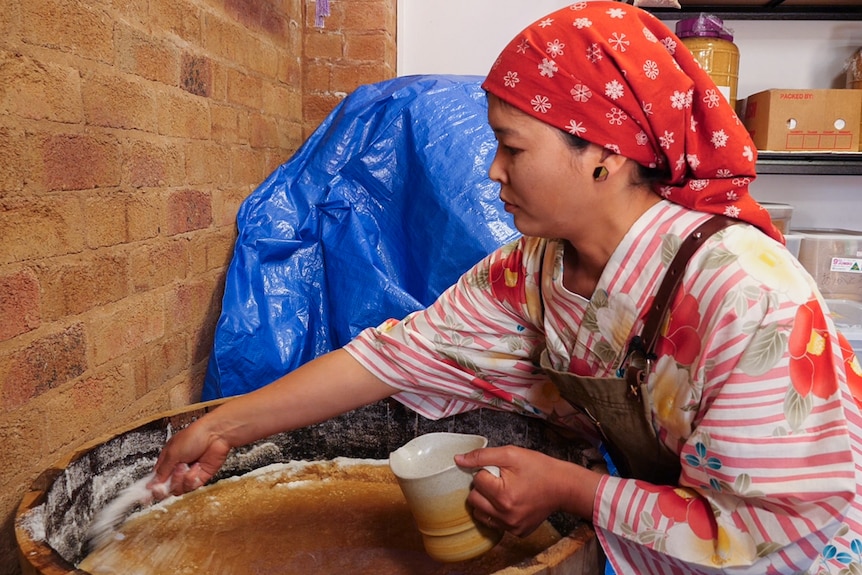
x,y
510,150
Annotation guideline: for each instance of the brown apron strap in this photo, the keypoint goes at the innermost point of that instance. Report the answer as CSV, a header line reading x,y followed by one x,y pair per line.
x,y
617,406
670,282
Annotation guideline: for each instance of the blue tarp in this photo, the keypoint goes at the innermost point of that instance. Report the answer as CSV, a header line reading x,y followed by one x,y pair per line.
x,y
379,211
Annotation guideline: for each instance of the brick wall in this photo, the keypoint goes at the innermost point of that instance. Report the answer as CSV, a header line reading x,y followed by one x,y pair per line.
x,y
357,46
130,132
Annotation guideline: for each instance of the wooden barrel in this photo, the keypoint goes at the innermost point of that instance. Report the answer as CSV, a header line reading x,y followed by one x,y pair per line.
x,y
53,516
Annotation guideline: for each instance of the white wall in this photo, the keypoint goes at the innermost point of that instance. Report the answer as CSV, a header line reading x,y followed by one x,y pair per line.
x,y
461,36
465,36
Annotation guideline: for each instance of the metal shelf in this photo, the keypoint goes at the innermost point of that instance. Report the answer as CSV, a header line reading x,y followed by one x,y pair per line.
x,y
778,13
793,163
765,10
810,163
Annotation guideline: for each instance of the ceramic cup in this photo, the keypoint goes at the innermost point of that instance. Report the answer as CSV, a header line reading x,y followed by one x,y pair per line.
x,y
436,491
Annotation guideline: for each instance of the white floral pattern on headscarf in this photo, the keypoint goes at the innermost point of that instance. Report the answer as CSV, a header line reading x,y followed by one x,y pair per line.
x,y
616,76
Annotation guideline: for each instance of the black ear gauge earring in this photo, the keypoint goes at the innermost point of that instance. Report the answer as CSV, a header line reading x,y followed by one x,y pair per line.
x,y
600,174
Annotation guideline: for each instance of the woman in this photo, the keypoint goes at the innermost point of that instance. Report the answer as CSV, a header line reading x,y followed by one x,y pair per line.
x,y
614,147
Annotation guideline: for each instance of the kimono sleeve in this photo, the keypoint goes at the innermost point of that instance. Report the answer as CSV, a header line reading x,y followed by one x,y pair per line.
x,y
475,346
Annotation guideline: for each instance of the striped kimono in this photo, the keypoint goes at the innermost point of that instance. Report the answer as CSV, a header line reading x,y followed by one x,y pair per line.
x,y
753,387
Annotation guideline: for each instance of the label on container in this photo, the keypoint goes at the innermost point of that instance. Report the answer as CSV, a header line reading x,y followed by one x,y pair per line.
x,y
849,265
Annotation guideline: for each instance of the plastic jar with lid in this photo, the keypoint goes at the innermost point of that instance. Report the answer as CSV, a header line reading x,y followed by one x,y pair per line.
x,y
712,46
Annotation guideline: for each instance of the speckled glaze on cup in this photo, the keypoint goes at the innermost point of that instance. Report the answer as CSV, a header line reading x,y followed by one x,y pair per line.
x,y
436,491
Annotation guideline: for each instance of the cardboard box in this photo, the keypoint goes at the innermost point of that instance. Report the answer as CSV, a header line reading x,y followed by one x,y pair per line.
x,y
804,120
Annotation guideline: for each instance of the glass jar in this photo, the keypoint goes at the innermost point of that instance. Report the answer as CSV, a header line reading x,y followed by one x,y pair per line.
x,y
712,46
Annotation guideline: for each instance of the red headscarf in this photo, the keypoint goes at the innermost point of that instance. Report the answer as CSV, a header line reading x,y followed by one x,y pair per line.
x,y
616,76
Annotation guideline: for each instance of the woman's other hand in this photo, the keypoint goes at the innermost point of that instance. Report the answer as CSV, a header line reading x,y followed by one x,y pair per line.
x,y
531,486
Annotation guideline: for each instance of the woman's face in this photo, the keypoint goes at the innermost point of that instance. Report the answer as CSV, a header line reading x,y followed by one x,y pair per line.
x,y
544,182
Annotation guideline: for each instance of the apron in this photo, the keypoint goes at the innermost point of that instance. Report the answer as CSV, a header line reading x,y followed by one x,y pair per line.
x,y
621,407
623,417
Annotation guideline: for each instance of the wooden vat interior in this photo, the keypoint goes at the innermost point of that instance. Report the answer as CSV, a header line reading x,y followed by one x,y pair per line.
x,y
54,514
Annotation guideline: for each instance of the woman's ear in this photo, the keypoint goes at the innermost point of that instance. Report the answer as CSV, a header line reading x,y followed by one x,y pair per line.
x,y
611,163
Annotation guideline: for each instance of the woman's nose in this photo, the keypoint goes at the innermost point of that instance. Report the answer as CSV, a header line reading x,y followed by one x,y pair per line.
x,y
496,171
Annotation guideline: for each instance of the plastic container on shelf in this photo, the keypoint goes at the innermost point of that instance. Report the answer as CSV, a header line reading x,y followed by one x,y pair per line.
x,y
711,44
793,241
780,214
833,257
847,316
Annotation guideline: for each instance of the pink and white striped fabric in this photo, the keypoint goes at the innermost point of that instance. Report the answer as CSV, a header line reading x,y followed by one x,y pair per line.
x,y
751,389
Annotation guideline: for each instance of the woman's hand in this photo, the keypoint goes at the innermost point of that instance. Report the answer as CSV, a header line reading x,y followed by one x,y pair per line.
x,y
190,458
531,486
318,390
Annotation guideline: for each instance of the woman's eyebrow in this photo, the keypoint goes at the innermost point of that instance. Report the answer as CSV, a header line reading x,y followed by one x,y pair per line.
x,y
504,131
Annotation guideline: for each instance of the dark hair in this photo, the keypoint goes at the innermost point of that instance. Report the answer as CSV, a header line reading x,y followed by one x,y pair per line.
x,y
645,175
